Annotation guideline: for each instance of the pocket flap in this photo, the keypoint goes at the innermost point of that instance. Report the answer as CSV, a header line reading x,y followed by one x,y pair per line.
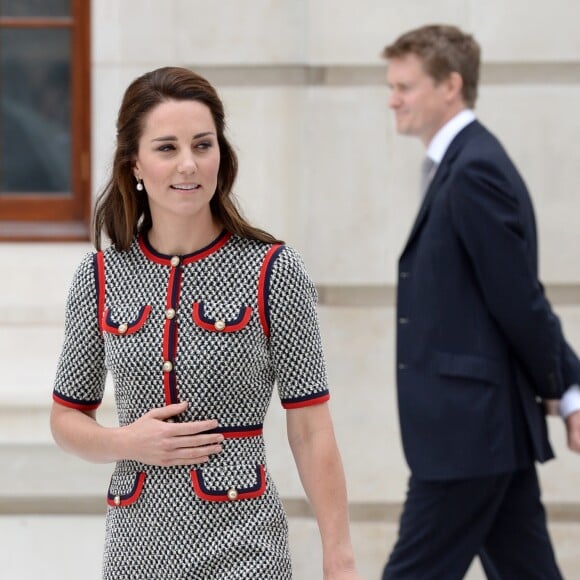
x,y
229,483
470,367
221,318
122,324
125,488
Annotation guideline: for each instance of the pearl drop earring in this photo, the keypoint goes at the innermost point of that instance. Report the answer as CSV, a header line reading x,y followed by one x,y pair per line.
x,y
140,185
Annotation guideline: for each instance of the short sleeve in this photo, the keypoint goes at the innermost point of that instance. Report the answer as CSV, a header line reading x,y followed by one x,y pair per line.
x,y
295,342
80,375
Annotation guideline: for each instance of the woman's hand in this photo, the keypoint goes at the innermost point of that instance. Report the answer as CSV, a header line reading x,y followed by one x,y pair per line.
x,y
155,439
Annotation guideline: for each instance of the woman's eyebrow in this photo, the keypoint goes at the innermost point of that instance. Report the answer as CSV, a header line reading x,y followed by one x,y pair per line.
x,y
174,138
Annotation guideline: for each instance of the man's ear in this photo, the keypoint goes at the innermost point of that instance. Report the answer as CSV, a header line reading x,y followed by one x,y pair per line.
x,y
454,86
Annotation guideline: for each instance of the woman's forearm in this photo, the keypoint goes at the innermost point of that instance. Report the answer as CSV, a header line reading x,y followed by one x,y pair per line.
x,y
155,438
318,460
79,433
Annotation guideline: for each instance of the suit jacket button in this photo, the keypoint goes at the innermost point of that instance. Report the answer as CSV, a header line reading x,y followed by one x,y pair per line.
x,y
403,274
403,320
232,494
402,366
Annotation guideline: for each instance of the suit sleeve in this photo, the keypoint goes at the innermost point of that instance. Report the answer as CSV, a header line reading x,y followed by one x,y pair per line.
x,y
496,230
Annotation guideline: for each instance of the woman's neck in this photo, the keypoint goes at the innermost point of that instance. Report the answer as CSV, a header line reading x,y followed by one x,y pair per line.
x,y
182,239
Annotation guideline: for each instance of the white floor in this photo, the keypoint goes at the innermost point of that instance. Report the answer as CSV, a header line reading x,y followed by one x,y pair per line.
x,y
69,548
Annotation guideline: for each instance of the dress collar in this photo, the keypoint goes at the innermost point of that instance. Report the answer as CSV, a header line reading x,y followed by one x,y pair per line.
x,y
167,260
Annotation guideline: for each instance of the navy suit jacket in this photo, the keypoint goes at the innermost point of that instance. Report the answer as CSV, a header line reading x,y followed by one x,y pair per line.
x,y
478,344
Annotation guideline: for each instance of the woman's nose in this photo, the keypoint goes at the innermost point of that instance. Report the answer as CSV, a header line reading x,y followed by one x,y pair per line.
x,y
187,163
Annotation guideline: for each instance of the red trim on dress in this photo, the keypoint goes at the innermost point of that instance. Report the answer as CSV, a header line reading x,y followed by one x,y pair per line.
x,y
307,403
262,289
131,497
165,354
209,324
241,434
169,344
198,486
101,289
73,405
217,244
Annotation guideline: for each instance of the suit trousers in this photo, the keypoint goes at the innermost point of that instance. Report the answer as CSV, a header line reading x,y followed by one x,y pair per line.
x,y
445,524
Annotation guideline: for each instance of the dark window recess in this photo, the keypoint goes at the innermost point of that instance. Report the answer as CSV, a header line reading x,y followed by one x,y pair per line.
x,y
44,119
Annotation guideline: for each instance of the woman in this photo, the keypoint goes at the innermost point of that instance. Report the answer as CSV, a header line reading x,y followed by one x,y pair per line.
x,y
195,313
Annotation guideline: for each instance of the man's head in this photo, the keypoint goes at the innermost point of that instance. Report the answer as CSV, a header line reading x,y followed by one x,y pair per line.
x,y
433,73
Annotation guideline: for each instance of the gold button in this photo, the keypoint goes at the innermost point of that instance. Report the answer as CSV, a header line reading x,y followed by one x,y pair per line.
x,y
170,313
167,366
219,325
175,261
123,328
117,500
232,494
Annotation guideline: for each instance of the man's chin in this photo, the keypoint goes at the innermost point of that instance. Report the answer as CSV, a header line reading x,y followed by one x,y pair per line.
x,y
405,131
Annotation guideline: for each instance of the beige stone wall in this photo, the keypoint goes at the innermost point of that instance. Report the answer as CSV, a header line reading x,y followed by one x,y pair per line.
x,y
321,167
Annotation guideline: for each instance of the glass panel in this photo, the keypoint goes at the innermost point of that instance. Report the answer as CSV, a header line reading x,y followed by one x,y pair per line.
x,y
34,8
35,110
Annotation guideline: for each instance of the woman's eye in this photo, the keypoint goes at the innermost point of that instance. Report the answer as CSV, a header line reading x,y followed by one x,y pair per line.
x,y
167,147
204,145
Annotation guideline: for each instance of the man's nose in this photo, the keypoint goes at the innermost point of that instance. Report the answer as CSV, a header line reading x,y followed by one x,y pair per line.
x,y
394,100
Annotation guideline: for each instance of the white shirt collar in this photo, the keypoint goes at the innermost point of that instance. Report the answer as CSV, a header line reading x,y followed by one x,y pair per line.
x,y
442,139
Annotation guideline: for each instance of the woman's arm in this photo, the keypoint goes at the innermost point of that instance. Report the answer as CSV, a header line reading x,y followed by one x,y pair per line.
x,y
312,440
152,439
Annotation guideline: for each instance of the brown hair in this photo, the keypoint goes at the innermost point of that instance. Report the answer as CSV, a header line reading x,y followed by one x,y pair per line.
x,y
443,50
122,211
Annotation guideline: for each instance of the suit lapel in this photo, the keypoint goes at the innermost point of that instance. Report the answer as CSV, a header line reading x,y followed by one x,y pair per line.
x,y
439,178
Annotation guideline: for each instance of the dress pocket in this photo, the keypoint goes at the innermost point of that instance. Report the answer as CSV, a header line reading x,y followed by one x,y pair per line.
x,y
125,488
216,317
229,483
125,321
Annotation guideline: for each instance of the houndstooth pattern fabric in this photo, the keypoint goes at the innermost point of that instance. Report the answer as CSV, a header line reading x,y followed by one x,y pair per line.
x,y
231,340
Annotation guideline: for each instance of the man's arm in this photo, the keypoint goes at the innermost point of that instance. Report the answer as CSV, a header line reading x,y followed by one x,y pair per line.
x,y
487,217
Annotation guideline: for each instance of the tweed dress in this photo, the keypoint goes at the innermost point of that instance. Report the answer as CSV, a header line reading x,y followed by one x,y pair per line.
x,y
218,328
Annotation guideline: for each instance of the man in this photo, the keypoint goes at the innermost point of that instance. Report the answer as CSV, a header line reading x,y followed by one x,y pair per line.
x,y
478,345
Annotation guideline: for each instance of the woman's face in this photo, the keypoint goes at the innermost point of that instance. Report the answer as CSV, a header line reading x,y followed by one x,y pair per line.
x,y
178,159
